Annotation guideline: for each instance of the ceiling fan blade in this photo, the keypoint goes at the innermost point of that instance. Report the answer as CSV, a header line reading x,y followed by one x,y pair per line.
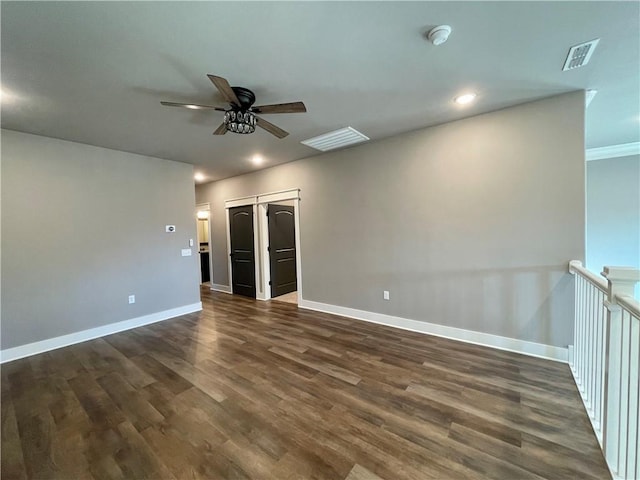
x,y
225,89
293,107
192,106
221,130
271,128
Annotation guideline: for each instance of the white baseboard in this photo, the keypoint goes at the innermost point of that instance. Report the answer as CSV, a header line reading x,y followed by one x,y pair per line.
x,y
533,349
42,346
221,288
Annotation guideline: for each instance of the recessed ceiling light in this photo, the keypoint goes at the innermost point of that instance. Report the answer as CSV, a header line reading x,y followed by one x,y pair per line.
x,y
465,98
198,177
193,107
257,159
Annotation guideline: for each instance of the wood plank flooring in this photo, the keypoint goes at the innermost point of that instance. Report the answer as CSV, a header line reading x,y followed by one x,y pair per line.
x,y
264,390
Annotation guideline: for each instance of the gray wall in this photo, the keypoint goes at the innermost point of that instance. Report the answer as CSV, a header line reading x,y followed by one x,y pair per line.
x,y
84,227
469,224
613,213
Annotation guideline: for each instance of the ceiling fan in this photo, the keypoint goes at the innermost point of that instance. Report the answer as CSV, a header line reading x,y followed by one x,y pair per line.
x,y
241,116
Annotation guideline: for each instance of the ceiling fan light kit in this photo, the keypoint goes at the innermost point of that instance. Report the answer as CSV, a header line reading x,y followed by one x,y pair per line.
x,y
239,121
241,116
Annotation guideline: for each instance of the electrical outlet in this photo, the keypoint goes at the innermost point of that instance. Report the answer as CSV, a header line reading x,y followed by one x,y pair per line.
x,y
385,294
170,228
132,299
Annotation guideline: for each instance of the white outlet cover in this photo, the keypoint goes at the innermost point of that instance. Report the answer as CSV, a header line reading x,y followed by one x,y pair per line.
x,y
186,252
385,294
132,299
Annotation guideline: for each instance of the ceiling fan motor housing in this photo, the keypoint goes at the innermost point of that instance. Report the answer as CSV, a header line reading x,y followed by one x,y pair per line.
x,y
245,96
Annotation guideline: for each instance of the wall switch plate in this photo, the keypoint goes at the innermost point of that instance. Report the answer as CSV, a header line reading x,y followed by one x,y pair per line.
x,y
385,294
170,228
132,299
186,252
191,242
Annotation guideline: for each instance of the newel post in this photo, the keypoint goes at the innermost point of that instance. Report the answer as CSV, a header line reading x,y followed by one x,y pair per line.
x,y
620,281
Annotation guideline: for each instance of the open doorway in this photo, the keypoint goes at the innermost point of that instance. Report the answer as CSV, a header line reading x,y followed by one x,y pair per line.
x,y
282,251
204,235
286,258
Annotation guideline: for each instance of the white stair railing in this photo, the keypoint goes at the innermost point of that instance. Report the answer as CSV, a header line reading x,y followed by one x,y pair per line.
x,y
605,361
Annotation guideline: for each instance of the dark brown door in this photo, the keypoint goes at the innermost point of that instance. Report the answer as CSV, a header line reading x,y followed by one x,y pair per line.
x,y
282,249
242,251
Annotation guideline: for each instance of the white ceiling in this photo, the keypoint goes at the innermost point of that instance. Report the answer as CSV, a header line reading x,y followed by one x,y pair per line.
x,y
95,72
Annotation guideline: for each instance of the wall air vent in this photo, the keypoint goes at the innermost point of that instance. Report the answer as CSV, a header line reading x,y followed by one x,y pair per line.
x,y
336,139
579,55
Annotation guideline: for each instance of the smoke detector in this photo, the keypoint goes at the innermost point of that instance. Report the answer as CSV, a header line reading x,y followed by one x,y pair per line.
x,y
439,35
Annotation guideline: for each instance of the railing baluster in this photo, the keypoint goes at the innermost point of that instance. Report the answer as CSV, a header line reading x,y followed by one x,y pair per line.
x,y
582,334
606,362
587,344
637,449
632,401
578,330
624,398
598,373
613,395
590,335
576,327
592,348
603,359
603,369
606,398
585,351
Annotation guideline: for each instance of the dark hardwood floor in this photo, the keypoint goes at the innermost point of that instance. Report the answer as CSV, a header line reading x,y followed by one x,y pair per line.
x,y
263,390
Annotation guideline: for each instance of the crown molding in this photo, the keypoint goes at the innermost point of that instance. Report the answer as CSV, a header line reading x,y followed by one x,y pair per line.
x,y
613,151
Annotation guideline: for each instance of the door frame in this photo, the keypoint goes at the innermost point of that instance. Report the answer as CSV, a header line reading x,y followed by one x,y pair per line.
x,y
207,207
261,237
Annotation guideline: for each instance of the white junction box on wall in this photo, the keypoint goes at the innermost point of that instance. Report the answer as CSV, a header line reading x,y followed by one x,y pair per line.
x,y
186,252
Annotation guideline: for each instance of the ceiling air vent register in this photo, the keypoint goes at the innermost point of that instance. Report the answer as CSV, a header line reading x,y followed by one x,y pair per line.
x,y
336,139
579,55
